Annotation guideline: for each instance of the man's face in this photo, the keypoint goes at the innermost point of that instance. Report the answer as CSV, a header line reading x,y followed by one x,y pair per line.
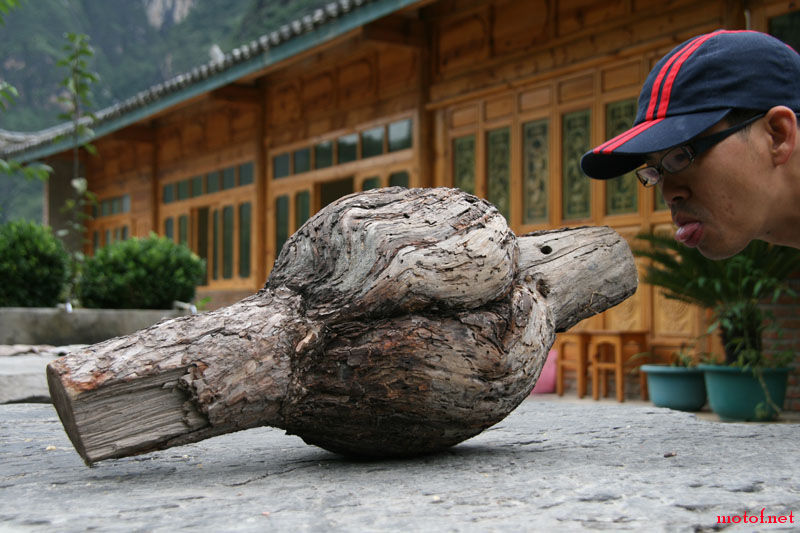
x,y
718,202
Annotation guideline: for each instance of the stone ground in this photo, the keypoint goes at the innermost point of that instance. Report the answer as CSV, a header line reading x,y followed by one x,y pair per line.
x,y
550,466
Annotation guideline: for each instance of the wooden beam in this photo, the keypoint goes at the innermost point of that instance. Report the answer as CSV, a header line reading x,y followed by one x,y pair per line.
x,y
136,133
396,30
238,94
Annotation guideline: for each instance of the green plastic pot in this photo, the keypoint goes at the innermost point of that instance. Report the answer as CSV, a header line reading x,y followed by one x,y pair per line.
x,y
736,394
676,387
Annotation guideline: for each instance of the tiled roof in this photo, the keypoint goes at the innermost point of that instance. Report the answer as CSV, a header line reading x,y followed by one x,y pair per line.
x,y
19,145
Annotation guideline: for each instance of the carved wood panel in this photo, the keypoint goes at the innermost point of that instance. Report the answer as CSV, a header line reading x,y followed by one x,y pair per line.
x,y
517,24
576,15
319,92
630,314
356,81
463,42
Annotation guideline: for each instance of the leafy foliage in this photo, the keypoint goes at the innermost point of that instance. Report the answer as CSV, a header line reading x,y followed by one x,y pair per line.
x,y
8,93
33,265
733,288
148,273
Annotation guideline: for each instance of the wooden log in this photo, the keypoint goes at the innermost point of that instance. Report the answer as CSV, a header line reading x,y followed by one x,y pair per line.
x,y
395,322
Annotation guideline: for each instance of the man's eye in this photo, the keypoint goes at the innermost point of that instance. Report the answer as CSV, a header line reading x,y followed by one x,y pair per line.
x,y
675,159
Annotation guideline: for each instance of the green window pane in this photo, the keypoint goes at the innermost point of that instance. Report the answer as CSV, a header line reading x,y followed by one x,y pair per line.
x,y
169,193
126,203
787,28
281,222
227,242
105,208
302,160
323,154
398,179
280,166
107,237
622,192
202,240
215,245
576,191
302,208
197,186
535,169
95,241
183,190
116,234
124,233
246,173
371,183
330,191
116,205
245,218
372,142
400,135
183,229
228,178
169,228
212,182
95,210
464,163
347,148
498,169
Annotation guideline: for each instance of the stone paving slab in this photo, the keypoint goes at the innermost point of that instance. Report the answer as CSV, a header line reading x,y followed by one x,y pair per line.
x,y
549,466
22,371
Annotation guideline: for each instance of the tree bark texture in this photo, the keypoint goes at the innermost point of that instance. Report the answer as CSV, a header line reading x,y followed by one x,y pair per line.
x,y
395,322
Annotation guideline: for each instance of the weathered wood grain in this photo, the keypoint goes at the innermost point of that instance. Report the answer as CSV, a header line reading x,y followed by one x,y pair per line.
x,y
396,322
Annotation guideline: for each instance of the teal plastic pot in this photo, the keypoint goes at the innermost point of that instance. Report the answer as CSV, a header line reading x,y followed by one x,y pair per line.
x,y
676,387
734,394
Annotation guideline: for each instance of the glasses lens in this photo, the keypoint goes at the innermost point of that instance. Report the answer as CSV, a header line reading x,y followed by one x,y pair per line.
x,y
649,176
676,159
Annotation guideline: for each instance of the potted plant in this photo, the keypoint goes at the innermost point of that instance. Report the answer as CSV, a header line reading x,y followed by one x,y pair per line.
x,y
679,385
751,384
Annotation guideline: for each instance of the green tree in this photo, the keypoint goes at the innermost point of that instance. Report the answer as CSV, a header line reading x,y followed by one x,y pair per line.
x,y
78,102
734,289
7,95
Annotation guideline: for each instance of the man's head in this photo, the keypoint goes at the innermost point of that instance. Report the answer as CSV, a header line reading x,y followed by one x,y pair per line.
x,y
711,113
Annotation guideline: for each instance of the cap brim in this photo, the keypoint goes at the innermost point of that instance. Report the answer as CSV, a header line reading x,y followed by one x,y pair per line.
x,y
627,150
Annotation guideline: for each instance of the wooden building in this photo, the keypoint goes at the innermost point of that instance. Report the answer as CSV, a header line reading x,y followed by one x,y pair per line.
x,y
497,97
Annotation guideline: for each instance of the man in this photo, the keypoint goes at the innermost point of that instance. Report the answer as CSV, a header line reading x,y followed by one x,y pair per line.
x,y
716,130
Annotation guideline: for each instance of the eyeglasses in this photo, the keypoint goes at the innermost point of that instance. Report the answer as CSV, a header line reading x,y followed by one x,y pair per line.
x,y
680,157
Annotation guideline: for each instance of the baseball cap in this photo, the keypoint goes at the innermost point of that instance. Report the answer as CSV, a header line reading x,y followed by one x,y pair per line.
x,y
695,86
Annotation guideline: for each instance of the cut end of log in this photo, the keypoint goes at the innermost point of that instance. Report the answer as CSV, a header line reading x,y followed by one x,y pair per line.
x,y
63,404
102,424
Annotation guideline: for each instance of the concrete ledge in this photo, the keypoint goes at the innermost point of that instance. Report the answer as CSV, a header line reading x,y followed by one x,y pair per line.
x,y
37,325
549,466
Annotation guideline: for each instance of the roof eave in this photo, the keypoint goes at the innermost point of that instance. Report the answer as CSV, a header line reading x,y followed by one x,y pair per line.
x,y
267,58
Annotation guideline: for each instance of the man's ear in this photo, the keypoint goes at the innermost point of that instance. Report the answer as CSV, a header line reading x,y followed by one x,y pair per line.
x,y
781,126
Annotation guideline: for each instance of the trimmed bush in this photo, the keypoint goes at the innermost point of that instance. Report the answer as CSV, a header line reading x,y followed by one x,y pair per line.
x,y
147,273
34,266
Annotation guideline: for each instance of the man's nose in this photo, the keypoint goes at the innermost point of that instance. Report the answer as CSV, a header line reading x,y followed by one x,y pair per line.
x,y
672,190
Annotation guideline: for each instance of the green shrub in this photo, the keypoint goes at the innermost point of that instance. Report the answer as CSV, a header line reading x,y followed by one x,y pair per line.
x,y
147,273
34,265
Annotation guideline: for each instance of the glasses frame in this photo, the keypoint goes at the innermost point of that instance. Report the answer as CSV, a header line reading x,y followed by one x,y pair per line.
x,y
691,150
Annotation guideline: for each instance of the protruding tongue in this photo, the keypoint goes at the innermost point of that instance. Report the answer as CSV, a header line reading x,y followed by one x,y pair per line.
x,y
689,234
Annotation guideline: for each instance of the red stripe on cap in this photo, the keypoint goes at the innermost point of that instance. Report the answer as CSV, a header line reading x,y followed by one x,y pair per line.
x,y
657,107
683,56
612,144
651,108
670,81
